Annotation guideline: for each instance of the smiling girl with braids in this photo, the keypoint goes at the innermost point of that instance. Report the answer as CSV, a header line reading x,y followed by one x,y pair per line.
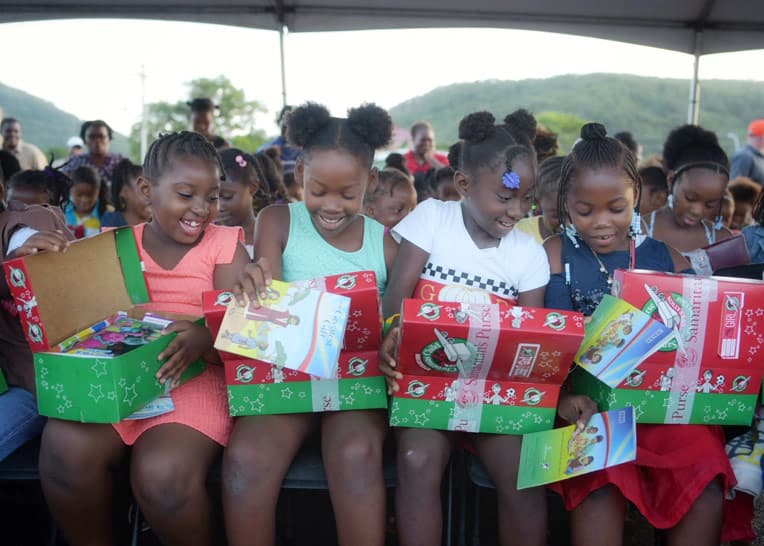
x,y
183,254
681,471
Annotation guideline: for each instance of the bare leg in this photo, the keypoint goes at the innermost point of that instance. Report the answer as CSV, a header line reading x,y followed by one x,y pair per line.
x,y
77,463
702,524
168,474
598,521
422,458
254,465
352,448
522,514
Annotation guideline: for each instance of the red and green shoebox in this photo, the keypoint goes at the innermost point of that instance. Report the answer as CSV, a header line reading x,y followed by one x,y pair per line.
x,y
61,294
482,367
256,388
715,374
364,326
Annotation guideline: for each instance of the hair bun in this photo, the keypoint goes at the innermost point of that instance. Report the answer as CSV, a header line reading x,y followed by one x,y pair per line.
x,y
593,131
372,123
306,121
521,123
477,127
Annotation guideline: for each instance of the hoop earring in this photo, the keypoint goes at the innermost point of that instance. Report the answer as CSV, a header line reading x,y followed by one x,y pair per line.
x,y
718,223
670,201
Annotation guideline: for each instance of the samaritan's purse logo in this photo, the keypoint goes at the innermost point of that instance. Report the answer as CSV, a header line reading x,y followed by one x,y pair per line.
x,y
446,357
224,298
416,389
346,282
18,279
429,311
357,366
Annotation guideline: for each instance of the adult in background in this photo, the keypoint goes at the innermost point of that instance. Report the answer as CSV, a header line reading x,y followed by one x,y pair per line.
x,y
749,160
203,121
29,155
422,157
97,136
288,155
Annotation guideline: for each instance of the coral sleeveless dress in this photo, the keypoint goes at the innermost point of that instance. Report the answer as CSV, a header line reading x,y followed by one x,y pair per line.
x,y
202,402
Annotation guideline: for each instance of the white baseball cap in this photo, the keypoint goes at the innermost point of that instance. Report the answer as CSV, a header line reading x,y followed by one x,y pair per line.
x,y
74,142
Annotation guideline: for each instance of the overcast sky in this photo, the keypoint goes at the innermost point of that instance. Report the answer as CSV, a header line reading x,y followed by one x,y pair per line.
x,y
91,67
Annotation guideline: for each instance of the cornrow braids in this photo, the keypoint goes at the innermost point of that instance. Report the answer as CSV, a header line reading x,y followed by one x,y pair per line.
x,y
487,145
388,179
173,145
55,182
123,174
88,175
548,176
594,151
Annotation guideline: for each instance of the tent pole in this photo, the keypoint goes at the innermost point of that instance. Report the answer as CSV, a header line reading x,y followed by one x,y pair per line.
x,y
282,31
694,107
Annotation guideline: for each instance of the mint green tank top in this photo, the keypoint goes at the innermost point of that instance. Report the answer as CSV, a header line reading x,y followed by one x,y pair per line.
x,y
307,254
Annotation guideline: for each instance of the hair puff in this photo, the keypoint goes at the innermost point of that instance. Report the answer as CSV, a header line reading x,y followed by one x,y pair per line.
x,y
372,123
521,123
691,143
477,127
305,121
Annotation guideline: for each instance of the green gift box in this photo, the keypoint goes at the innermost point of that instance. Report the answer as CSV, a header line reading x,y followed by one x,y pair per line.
x,y
59,295
257,388
3,383
474,405
647,390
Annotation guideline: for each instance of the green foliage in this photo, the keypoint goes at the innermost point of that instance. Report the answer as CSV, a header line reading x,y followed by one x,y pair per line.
x,y
249,143
234,120
567,127
648,107
43,124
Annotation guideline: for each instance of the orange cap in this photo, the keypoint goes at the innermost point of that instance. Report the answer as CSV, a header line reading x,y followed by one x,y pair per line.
x,y
756,128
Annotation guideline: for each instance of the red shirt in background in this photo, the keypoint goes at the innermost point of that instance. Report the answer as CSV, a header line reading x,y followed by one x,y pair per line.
x,y
415,167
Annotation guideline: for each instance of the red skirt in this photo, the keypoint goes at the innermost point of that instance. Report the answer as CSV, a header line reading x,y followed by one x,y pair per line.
x,y
675,463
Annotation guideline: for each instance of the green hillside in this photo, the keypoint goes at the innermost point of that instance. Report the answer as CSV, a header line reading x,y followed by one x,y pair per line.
x,y
648,107
43,124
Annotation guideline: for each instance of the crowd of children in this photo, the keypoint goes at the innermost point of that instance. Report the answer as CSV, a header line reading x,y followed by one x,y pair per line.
x,y
501,218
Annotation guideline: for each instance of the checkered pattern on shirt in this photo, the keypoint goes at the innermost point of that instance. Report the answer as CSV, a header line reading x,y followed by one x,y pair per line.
x,y
452,276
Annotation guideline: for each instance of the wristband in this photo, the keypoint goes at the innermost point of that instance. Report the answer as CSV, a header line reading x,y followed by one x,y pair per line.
x,y
388,324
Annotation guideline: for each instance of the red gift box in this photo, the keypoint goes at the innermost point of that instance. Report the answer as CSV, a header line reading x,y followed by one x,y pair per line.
x,y
488,341
364,326
257,388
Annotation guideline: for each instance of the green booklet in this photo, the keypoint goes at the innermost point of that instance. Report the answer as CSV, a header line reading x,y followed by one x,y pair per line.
x,y
609,439
618,339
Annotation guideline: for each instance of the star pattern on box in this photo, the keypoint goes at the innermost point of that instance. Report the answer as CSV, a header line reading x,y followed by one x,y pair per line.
x,y
348,399
144,365
743,408
43,370
357,313
99,368
96,392
286,393
421,419
130,395
638,412
302,394
122,382
760,312
612,398
367,390
394,421
750,329
112,395
58,388
138,379
452,276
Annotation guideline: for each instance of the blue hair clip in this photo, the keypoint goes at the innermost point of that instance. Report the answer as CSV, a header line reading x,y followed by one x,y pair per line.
x,y
511,180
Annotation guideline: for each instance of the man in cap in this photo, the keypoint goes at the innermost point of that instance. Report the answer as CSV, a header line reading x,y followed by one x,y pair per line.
x,y
749,160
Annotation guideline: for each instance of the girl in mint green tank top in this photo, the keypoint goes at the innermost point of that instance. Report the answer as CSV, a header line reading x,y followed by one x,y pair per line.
x,y
325,235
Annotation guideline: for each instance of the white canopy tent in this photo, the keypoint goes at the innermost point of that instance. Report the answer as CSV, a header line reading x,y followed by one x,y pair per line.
x,y
696,27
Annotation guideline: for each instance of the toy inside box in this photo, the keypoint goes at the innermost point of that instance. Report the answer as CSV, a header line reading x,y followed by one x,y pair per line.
x,y
482,367
364,324
63,298
255,388
713,373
